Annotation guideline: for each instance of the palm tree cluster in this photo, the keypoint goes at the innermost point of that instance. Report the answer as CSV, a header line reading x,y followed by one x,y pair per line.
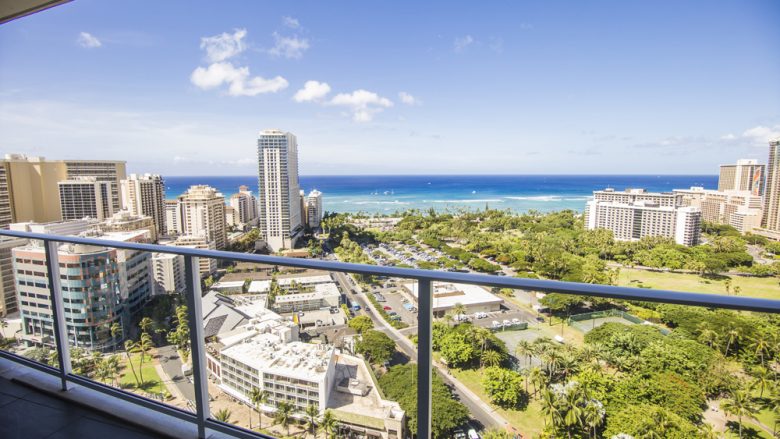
x,y
570,410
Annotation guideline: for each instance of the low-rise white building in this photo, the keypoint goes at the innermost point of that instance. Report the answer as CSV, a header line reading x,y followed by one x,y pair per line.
x,y
447,295
322,296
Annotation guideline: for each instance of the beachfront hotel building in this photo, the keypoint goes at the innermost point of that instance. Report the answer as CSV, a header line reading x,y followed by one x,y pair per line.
x,y
314,209
278,189
245,205
746,175
32,184
740,209
202,211
85,197
635,214
144,195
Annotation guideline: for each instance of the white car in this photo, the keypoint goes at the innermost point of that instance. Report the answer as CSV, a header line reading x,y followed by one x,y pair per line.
x,y
507,323
515,321
496,324
473,434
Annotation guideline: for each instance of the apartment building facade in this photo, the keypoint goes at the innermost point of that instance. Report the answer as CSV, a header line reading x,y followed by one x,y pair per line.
x,y
144,195
245,205
203,214
746,175
85,197
314,209
167,273
771,221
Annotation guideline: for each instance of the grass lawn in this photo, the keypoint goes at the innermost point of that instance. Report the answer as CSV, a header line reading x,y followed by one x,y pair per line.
x,y
152,382
764,287
530,422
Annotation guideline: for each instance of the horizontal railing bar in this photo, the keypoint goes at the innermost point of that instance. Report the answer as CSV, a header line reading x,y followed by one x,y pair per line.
x,y
30,363
547,286
133,398
234,430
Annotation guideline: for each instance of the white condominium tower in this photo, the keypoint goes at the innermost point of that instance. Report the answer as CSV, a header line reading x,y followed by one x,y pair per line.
x,y
203,214
245,205
145,195
314,209
772,193
278,189
746,175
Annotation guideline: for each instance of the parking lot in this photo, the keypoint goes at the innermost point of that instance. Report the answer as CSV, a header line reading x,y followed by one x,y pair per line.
x,y
395,300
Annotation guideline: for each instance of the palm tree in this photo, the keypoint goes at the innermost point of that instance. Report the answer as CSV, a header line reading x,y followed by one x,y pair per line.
x,y
482,335
143,346
727,284
115,330
524,348
328,424
574,412
459,309
592,417
737,290
732,336
491,358
708,337
538,378
760,344
739,404
312,413
762,376
223,415
283,415
145,324
550,409
257,397
130,347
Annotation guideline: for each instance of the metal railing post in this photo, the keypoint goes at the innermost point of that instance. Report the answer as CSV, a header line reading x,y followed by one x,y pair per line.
x,y
197,342
424,357
57,310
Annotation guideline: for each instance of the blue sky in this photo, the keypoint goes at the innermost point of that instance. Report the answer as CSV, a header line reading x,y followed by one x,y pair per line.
x,y
533,87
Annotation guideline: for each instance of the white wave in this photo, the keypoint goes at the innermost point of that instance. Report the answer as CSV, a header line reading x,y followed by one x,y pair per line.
x,y
548,198
492,200
376,202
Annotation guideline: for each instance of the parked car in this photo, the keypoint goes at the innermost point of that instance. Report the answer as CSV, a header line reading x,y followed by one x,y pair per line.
x,y
496,324
473,434
507,323
395,317
481,315
515,321
387,308
392,313
459,434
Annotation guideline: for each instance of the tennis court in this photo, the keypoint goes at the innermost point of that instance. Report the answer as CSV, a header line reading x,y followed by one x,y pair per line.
x,y
589,321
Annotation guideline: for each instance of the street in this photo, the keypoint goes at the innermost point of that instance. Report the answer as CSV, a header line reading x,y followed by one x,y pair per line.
x,y
478,409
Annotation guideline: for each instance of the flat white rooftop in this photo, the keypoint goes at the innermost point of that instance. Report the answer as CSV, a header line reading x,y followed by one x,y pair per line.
x,y
321,291
267,353
262,286
228,284
446,295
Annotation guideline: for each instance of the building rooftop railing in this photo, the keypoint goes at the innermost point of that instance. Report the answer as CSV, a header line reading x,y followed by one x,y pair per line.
x,y
202,417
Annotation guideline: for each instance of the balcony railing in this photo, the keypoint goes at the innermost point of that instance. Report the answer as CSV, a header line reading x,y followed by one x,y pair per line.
x,y
202,417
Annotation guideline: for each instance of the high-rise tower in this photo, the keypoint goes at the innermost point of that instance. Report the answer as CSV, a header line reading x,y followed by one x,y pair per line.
x,y
145,195
772,192
278,189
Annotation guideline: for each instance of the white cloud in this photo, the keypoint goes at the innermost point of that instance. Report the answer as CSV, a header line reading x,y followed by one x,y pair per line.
x,y
291,22
363,104
461,43
289,47
224,46
237,78
312,91
88,40
761,135
408,99
728,136
218,49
